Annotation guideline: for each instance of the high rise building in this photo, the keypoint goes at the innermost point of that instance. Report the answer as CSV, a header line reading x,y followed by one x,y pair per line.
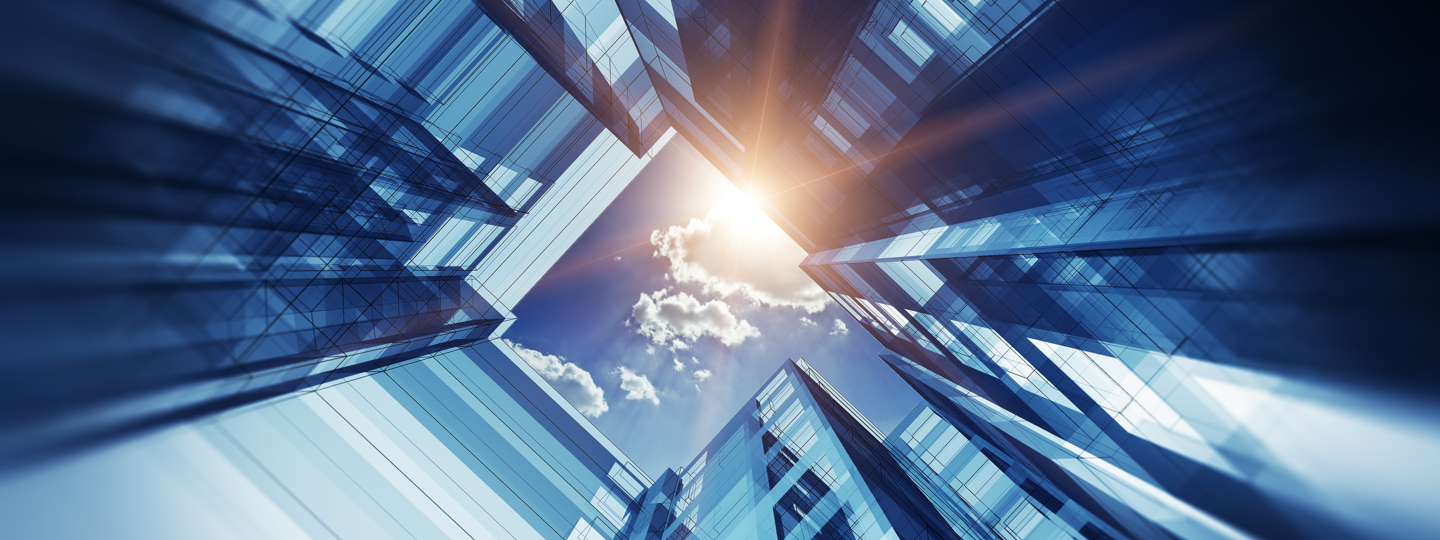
x,y
470,442
1012,500
798,461
264,252
466,443
231,201
1123,243
1099,234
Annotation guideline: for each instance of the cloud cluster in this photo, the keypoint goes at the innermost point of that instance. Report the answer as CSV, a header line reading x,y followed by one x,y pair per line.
x,y
573,383
700,375
839,329
670,320
636,386
736,248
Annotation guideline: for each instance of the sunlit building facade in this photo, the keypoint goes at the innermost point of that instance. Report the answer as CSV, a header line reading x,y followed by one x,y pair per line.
x,y
1011,499
227,202
1129,247
465,443
798,461
258,259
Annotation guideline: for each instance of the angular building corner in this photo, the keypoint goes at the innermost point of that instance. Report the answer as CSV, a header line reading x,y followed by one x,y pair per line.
x,y
797,461
288,238
1130,248
1123,243
233,202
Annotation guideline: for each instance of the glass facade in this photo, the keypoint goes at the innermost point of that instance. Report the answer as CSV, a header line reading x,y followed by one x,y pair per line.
x,y
798,461
1127,247
587,47
233,201
1014,501
466,443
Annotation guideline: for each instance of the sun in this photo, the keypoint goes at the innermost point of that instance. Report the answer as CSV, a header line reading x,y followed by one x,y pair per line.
x,y
739,199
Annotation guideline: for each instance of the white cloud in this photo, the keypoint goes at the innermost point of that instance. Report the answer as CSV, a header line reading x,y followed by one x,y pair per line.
x,y
701,374
805,322
694,360
736,248
617,257
573,383
679,366
636,386
682,318
649,349
840,329
679,345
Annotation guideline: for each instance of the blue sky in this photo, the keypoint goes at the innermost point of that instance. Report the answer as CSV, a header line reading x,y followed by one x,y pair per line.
x,y
608,315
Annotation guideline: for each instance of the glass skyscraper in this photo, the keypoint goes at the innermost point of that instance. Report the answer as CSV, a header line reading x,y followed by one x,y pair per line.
x,y
1014,502
1127,247
258,257
247,201
1158,269
799,461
